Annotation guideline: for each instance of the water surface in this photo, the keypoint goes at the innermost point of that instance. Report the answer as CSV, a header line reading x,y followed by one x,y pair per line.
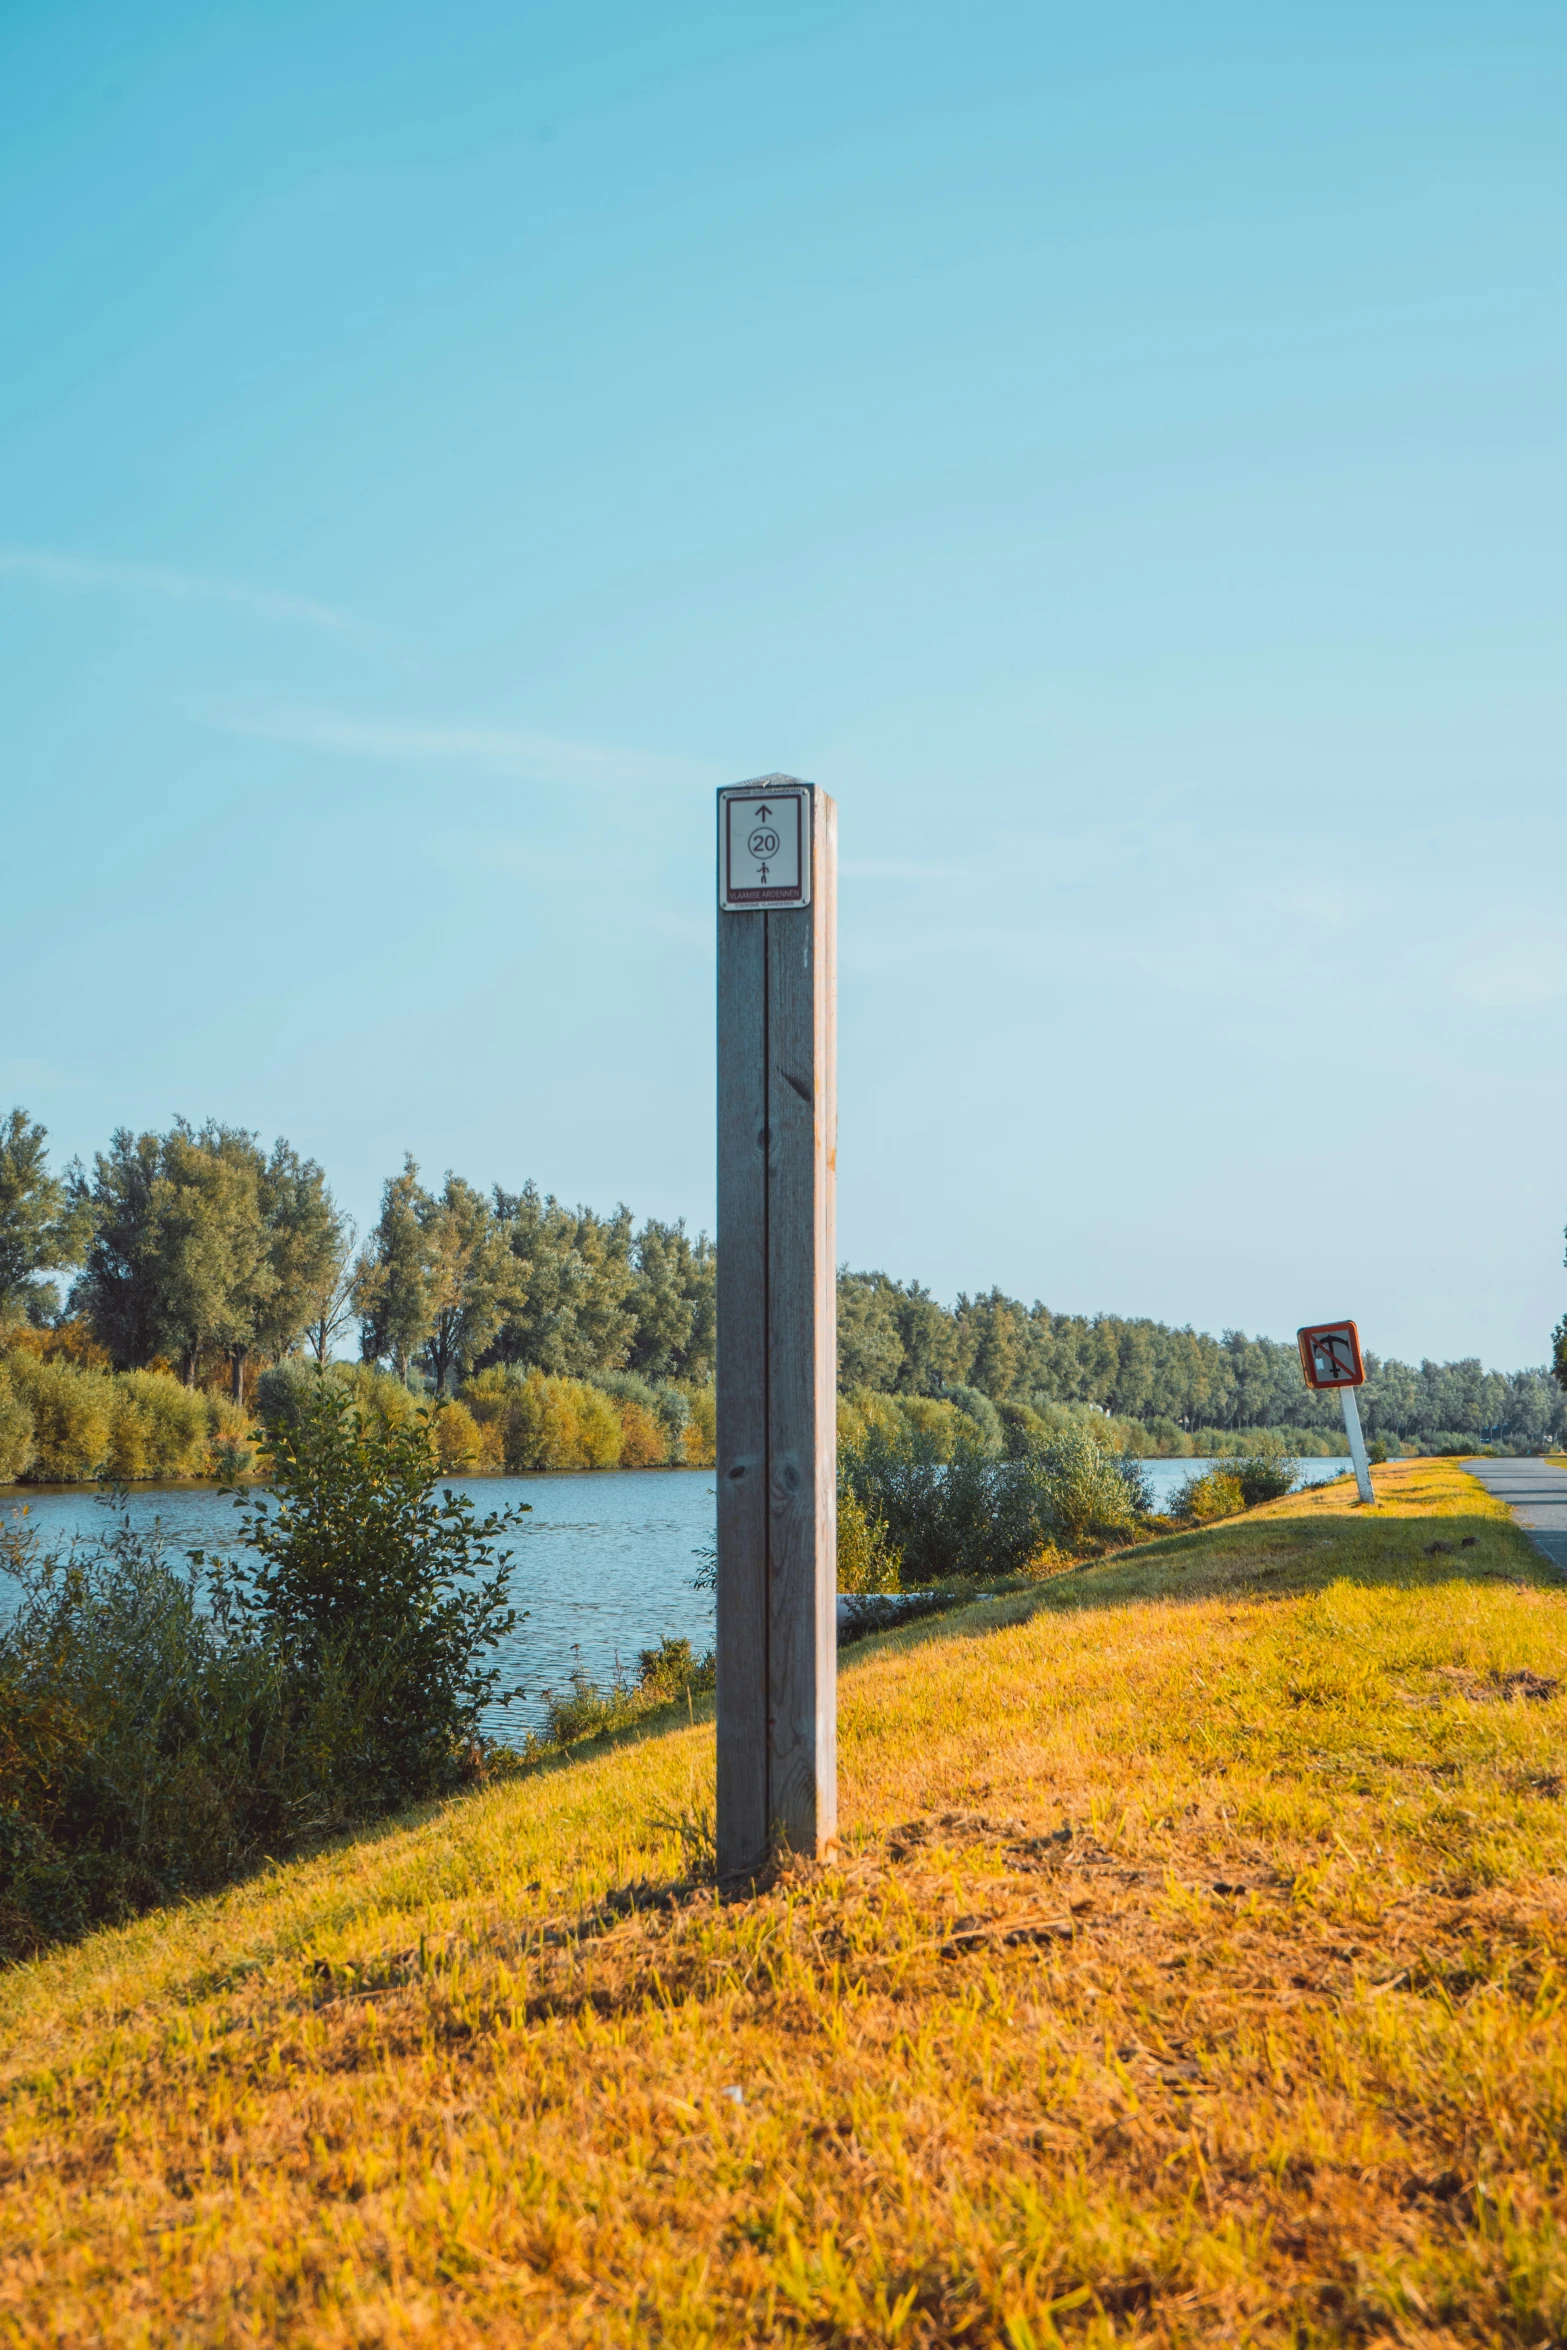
x,y
601,1567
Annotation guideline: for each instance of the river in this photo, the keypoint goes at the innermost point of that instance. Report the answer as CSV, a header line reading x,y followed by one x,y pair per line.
x,y
602,1565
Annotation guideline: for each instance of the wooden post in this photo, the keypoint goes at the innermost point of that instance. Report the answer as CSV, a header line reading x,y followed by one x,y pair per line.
x,y
777,1322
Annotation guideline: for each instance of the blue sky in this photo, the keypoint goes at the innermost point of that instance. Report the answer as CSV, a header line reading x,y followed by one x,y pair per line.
x,y
1118,452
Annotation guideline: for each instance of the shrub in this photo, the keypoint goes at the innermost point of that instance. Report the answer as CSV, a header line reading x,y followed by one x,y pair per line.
x,y
280,1390
940,1424
133,1424
669,1670
937,1511
1022,1429
975,1405
285,1389
72,1413
1266,1473
664,1675
1089,1490
382,1399
128,1434
534,1416
152,1748
148,1753
1049,1559
665,1405
557,1423
590,1711
598,1430
16,1430
867,1559
974,1513
386,1601
456,1436
1215,1494
699,1442
541,1427
488,1396
157,1427
862,1410
1139,1490
613,1420
492,1447
70,1341
231,1439
643,1443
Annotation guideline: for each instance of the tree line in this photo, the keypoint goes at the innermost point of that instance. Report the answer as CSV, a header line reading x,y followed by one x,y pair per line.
x,y
200,1250
895,1338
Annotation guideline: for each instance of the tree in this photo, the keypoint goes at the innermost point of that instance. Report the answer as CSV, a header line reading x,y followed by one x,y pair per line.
x,y
44,1221
176,1236
934,1356
334,1301
673,1299
572,1312
394,1298
118,1289
471,1278
870,1348
209,1246
993,1329
203,1243
301,1241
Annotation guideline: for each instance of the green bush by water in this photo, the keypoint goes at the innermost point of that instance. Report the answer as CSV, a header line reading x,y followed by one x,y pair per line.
x,y
868,1559
949,1505
156,1742
665,1674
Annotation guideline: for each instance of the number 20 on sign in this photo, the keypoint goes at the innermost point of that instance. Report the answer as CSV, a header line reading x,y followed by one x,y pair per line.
x,y
764,847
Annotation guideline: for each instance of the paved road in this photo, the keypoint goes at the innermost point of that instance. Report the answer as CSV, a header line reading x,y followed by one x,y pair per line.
x,y
1536,1493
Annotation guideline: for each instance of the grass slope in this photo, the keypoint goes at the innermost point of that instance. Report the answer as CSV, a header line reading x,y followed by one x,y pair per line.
x,y
1194,1973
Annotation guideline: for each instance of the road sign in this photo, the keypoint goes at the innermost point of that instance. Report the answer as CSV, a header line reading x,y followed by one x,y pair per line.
x,y
1330,1357
764,845
1330,1354
777,1324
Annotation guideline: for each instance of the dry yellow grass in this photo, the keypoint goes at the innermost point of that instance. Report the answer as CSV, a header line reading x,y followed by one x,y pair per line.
x,y
1193,1974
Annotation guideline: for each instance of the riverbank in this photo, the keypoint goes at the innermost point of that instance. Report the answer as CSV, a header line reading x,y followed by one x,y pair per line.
x,y
1188,1961
603,1566
65,1420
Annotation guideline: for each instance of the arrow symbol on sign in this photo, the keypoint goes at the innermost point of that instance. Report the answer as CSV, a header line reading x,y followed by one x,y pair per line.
x,y
764,811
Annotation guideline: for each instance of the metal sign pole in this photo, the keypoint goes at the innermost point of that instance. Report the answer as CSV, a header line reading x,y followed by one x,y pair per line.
x,y
1357,1443
777,1322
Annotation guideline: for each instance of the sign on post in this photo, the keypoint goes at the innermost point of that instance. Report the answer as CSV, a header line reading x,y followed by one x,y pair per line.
x,y
1330,1357
777,1322
764,848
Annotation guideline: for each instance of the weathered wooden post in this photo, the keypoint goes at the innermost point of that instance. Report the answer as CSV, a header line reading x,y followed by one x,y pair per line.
x,y
777,1321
